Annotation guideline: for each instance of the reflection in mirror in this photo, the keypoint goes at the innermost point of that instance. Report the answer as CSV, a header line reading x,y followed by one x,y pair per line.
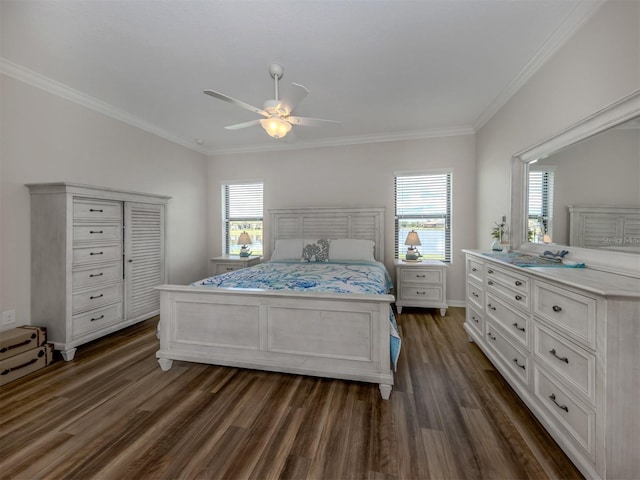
x,y
598,179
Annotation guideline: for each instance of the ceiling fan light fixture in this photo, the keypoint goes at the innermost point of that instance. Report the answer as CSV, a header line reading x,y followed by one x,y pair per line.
x,y
275,126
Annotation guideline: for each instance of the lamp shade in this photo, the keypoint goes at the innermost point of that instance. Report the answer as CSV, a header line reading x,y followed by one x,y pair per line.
x,y
412,238
244,239
275,126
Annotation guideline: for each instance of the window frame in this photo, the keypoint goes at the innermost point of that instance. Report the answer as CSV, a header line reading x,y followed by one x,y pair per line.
x,y
445,217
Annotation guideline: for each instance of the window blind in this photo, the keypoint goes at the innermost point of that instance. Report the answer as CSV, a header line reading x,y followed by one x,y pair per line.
x,y
540,201
243,211
423,204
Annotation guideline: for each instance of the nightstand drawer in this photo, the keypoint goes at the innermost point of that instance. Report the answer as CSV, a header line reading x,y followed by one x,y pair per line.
x,y
422,292
419,275
226,267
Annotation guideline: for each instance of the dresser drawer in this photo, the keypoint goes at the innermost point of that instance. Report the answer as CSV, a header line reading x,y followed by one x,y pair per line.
x,y
92,210
97,319
89,277
512,357
475,294
571,312
509,318
578,420
573,364
96,297
514,281
475,320
475,269
97,254
97,233
418,275
422,292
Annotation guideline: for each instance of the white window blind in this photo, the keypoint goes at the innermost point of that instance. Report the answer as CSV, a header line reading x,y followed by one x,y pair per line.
x,y
423,204
540,201
243,211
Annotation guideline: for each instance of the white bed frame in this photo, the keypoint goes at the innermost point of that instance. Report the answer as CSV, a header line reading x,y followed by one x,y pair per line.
x,y
341,336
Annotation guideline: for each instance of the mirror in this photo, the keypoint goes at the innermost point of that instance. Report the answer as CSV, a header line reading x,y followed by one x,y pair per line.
x,y
591,169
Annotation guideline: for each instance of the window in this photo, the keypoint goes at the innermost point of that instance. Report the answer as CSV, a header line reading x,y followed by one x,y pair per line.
x,y
540,214
423,204
242,211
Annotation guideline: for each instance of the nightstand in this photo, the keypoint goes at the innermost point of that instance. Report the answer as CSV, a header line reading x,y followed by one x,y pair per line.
x,y
421,284
229,263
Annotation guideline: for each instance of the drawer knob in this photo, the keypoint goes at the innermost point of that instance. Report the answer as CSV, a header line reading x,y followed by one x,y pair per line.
x,y
97,318
561,407
91,275
475,294
491,336
522,329
489,271
491,307
515,360
96,231
518,297
518,283
99,210
474,269
474,319
555,354
490,282
556,308
96,253
96,296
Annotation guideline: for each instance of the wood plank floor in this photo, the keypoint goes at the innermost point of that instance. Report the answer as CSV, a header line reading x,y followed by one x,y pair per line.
x,y
113,414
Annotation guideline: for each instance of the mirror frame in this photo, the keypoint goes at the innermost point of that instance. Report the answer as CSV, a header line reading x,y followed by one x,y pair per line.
x,y
614,114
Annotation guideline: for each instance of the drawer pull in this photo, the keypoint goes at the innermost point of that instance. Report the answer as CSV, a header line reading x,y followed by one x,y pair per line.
x,y
474,269
475,294
99,210
561,407
474,319
518,283
562,359
491,307
518,297
489,271
490,282
522,329
421,293
96,253
515,360
97,318
556,308
96,296
421,276
492,337
96,231
95,275
230,269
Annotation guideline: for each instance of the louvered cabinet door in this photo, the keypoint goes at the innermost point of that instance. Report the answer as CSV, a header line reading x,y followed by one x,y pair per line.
x,y
143,258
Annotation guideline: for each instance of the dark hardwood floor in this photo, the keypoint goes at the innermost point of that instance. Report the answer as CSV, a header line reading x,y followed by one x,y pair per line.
x,y
113,414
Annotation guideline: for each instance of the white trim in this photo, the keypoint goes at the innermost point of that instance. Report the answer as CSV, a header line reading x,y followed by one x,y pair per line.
x,y
417,173
578,17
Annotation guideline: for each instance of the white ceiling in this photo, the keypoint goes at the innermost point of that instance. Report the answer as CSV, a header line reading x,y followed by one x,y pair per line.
x,y
388,69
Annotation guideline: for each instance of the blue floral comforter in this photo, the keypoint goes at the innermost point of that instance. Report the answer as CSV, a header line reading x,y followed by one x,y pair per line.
x,y
343,277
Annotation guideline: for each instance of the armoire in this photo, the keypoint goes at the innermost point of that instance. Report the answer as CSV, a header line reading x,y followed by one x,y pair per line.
x,y
97,255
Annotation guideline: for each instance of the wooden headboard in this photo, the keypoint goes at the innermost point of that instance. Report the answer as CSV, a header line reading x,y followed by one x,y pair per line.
x,y
613,228
366,223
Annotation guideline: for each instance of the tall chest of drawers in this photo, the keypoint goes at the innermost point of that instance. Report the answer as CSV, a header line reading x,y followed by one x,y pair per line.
x,y
97,255
568,342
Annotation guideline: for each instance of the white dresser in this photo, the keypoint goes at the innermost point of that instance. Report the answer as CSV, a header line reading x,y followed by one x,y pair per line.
x,y
96,256
568,342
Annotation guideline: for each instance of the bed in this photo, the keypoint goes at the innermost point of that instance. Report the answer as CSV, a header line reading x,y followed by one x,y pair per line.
x,y
328,332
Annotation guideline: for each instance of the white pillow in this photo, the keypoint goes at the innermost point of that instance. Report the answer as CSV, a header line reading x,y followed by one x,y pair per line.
x,y
288,249
351,249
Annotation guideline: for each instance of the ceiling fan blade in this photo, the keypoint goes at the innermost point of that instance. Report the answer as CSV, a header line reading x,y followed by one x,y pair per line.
x,y
309,122
292,97
226,98
238,126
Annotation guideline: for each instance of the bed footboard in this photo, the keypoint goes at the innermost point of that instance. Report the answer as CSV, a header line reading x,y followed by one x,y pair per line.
x,y
326,335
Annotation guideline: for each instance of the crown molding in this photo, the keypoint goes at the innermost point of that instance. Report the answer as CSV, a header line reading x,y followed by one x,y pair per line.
x,y
345,141
582,12
51,86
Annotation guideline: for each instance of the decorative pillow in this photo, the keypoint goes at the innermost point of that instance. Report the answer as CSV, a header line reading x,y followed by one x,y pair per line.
x,y
316,252
351,249
288,249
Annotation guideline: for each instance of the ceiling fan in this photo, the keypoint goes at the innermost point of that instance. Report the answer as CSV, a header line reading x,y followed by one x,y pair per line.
x,y
278,120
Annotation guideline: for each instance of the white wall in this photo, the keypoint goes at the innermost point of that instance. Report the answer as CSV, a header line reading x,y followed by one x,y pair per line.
x,y
597,66
45,138
352,176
